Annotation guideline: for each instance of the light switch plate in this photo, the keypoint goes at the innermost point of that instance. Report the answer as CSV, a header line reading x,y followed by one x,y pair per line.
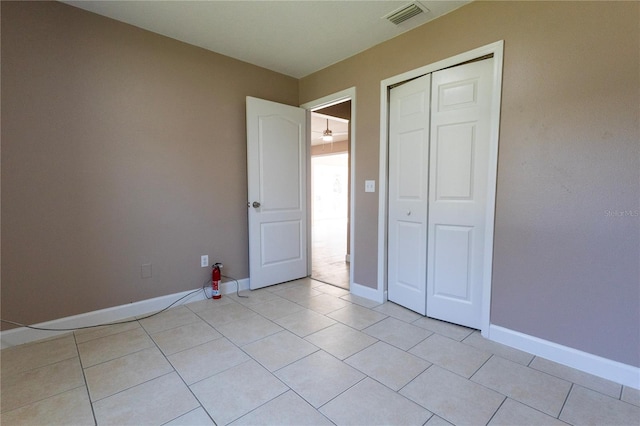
x,y
369,186
204,260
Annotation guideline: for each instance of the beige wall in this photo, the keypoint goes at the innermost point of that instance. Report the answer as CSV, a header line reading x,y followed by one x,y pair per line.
x,y
119,148
330,148
564,270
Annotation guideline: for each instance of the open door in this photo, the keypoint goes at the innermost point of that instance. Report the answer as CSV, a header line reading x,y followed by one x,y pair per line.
x,y
276,173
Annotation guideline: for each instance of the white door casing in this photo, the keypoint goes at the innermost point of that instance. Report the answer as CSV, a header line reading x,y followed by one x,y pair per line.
x,y
276,174
324,102
458,179
408,193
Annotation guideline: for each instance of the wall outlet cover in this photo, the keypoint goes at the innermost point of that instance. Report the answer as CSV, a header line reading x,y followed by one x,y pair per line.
x,y
204,260
145,270
369,186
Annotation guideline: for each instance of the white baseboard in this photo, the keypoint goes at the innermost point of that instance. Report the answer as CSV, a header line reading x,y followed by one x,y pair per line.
x,y
229,286
18,336
366,292
602,367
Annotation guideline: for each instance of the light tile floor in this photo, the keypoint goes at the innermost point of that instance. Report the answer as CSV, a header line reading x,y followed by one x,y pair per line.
x,y
299,353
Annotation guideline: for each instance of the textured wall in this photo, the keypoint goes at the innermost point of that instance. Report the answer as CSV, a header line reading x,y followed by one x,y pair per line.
x,y
120,148
567,232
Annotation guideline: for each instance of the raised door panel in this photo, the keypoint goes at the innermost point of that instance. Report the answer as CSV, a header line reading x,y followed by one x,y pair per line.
x,y
459,167
408,193
276,174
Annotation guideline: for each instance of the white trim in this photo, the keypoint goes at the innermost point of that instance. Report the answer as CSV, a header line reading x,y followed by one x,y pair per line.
x,y
228,287
367,292
330,100
618,372
18,336
324,102
492,183
496,49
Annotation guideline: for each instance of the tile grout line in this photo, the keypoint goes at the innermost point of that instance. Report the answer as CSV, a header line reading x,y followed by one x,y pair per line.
x,y
120,357
42,399
141,383
528,366
190,411
421,341
283,383
497,409
619,397
341,393
412,380
566,398
84,377
50,364
483,364
39,367
522,402
365,375
213,375
176,372
318,349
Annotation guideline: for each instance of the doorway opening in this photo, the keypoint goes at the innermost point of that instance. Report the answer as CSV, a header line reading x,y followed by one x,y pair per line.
x,y
331,194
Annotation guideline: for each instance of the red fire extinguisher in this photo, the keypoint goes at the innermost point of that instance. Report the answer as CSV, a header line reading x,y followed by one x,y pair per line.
x,y
215,281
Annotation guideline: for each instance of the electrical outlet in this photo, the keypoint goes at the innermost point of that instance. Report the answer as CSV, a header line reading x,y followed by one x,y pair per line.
x,y
204,260
145,270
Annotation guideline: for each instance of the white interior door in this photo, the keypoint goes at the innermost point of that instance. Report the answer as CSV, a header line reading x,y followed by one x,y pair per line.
x,y
408,193
276,172
458,191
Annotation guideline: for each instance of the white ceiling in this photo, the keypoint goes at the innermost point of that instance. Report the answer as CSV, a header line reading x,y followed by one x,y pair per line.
x,y
294,37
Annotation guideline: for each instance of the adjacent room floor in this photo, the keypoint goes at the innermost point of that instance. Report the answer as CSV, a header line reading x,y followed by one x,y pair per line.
x,y
329,252
297,353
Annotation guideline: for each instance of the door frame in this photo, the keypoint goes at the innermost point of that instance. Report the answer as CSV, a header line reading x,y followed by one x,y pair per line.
x,y
326,101
497,50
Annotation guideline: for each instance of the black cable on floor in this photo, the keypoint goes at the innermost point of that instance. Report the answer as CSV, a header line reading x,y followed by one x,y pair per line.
x,y
105,324
127,321
237,286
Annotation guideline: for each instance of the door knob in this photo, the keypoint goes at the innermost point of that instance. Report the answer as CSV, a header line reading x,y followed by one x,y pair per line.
x,y
256,204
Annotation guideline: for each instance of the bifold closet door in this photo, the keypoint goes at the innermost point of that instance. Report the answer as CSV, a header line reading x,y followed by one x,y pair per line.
x,y
439,142
408,193
458,177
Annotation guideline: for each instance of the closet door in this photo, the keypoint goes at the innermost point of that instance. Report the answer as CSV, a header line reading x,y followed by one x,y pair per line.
x,y
408,193
458,192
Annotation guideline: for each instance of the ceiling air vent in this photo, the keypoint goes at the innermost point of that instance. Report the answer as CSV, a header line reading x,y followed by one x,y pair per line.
x,y
406,12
